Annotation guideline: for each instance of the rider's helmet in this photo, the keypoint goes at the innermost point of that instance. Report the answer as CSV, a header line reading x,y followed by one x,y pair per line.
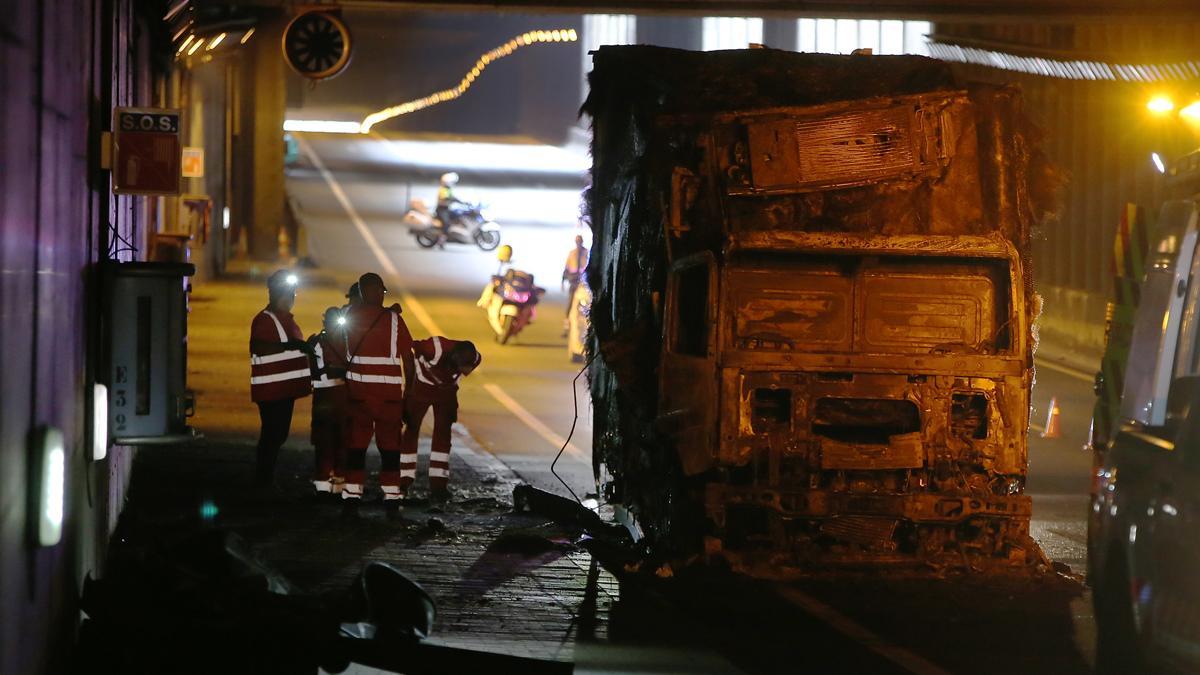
x,y
450,178
504,253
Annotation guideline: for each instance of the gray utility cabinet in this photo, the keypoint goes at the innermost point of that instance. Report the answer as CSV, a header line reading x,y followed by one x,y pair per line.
x,y
146,335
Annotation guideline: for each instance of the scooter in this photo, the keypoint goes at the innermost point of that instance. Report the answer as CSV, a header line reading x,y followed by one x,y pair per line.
x,y
468,225
510,301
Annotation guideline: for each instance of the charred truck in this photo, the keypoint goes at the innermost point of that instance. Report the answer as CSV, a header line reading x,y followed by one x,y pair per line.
x,y
813,306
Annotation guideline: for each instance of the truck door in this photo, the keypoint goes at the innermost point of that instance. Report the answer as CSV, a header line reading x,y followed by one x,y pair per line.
x,y
1160,316
688,381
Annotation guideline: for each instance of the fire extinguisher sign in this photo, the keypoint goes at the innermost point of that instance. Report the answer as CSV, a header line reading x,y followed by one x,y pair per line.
x,y
146,151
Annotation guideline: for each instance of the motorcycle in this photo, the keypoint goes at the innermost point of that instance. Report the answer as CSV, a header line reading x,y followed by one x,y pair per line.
x,y
468,224
510,301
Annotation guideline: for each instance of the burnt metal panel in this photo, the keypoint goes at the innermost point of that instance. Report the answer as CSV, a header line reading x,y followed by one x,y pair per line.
x,y
918,313
819,149
806,310
900,452
838,145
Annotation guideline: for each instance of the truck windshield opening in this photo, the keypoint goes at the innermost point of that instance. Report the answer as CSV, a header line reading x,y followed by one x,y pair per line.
x,y
871,304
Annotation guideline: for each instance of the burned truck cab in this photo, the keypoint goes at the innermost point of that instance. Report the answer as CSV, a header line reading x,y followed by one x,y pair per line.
x,y
845,363
871,399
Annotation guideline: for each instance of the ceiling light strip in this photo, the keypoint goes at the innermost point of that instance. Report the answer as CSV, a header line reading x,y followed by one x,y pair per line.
x,y
1067,70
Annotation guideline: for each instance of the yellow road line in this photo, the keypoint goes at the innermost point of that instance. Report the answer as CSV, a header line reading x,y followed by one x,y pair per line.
x,y
533,422
848,627
418,311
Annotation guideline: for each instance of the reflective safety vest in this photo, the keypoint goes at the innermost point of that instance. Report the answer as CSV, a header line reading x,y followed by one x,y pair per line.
x,y
376,338
274,377
433,365
327,356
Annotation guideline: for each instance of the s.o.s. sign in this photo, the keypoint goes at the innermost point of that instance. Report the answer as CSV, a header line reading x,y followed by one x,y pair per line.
x,y
146,151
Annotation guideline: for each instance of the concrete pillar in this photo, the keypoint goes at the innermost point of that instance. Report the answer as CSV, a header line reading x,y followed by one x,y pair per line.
x,y
260,189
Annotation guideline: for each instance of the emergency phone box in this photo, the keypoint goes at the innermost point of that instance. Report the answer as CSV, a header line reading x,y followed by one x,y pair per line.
x,y
145,334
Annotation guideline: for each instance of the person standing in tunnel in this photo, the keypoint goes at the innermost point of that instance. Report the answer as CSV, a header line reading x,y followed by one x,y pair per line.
x,y
279,371
379,364
440,363
329,402
573,271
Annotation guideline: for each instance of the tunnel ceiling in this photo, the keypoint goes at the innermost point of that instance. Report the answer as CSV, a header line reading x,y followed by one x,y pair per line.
x,y
976,10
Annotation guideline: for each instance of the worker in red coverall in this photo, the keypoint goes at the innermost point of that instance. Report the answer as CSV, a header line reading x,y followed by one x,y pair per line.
x,y
440,363
379,364
279,371
329,401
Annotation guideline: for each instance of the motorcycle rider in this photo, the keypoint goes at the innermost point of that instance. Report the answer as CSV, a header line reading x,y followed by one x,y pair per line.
x,y
445,205
509,286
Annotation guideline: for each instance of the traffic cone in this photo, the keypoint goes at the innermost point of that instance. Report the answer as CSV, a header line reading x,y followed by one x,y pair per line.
x,y
1051,430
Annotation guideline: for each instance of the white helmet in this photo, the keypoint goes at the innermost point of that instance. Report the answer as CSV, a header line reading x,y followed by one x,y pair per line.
x,y
450,178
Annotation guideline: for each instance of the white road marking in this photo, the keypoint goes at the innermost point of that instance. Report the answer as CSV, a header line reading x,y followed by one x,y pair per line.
x,y
418,310
846,626
372,242
1066,370
534,423
410,301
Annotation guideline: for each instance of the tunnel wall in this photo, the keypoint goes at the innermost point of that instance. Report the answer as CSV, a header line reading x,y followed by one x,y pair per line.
x,y
63,66
1100,135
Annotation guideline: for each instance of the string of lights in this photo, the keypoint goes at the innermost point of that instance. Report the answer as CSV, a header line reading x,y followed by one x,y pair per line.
x,y
1070,70
532,37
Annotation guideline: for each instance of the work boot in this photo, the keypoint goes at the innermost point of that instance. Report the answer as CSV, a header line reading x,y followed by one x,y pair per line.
x,y
439,495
